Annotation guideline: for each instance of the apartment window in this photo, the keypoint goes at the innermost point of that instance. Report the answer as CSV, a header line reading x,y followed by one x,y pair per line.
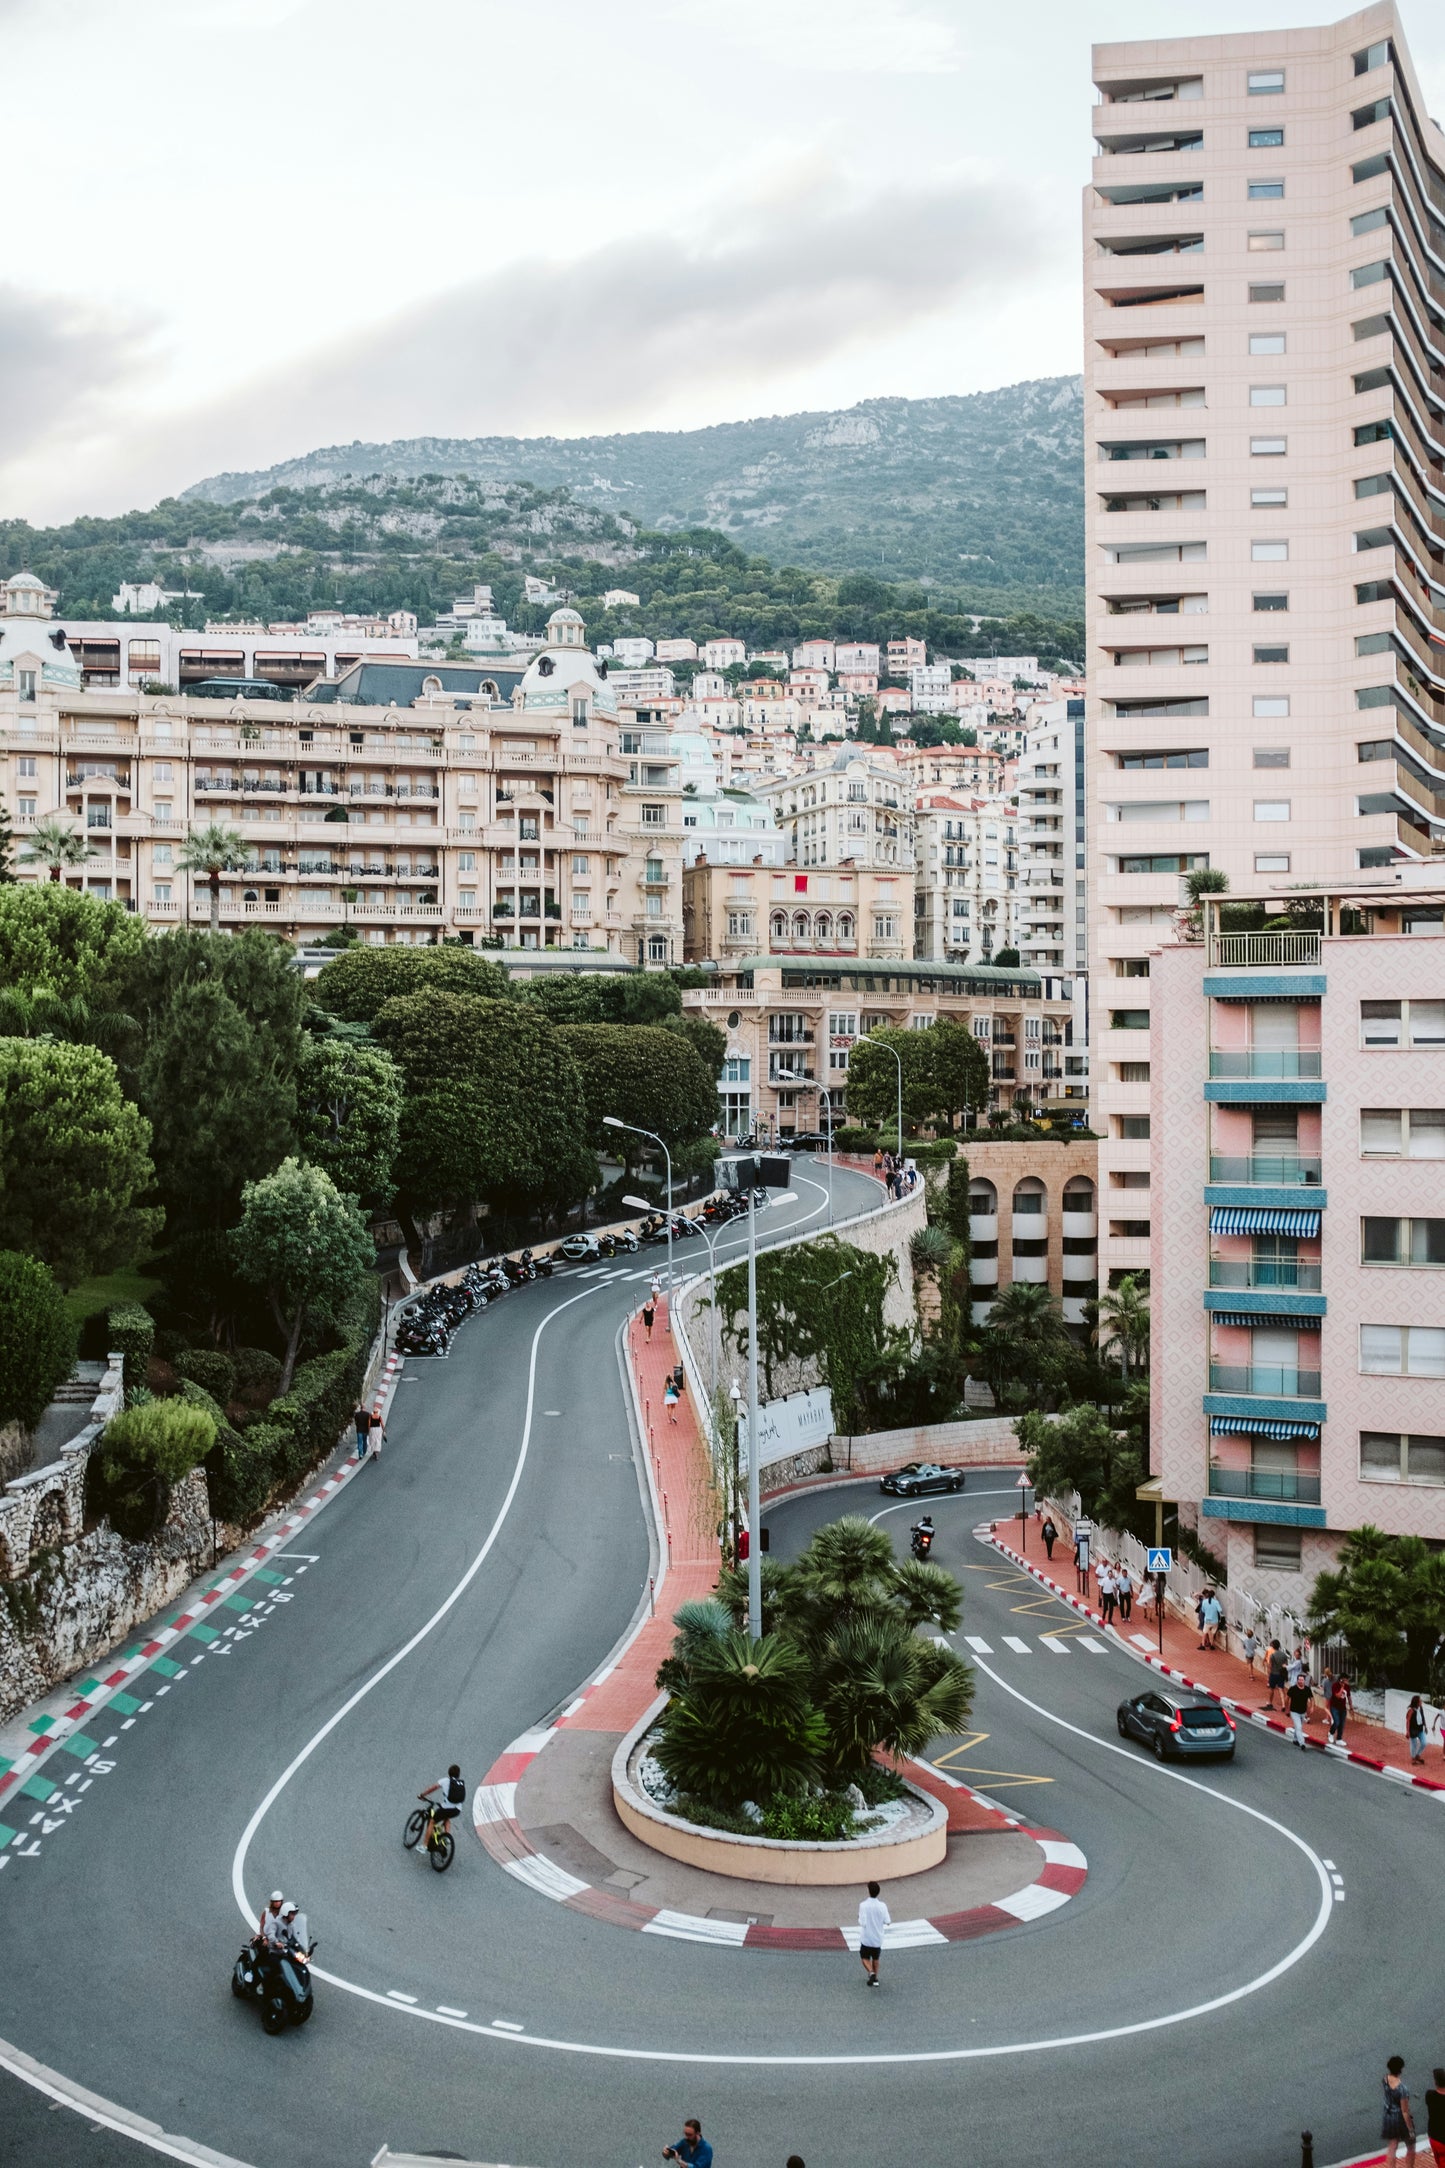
x,y
581,899
25,765
1278,1550
1373,56
1135,1126
1268,553
1268,291
1271,862
1133,1072
1368,222
26,808
1195,757
1265,603
1402,1132
1402,1023
1402,1351
1265,82
1268,447
1271,756
843,1023
1264,395
654,816
161,893
1267,704
1370,169
1266,139
1402,1241
1261,243
1264,653
1262,191
1392,1456
160,854
1261,499
1165,862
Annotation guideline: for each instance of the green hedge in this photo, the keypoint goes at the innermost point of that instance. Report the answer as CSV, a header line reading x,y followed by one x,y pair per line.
x,y
258,1375
247,1468
208,1367
933,1155
849,1139
131,1332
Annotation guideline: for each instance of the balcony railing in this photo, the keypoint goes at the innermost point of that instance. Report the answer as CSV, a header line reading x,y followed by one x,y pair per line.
x,y
1267,949
1264,1483
1272,1062
789,1038
1290,1272
1268,1379
1274,1170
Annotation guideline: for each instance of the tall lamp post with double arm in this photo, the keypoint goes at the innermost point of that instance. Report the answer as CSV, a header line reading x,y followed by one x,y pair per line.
x,y
610,1121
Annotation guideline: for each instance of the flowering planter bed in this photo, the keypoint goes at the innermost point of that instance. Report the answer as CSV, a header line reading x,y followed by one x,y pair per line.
x,y
914,1840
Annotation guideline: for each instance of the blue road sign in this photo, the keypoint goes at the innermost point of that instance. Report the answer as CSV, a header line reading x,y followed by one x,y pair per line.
x,y
1160,1561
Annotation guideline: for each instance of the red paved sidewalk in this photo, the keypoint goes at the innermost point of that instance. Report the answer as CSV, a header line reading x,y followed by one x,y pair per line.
x,y
1217,1672
682,1473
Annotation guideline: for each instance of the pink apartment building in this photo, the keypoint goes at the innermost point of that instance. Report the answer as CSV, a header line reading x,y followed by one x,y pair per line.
x,y
1298,1104
1264,256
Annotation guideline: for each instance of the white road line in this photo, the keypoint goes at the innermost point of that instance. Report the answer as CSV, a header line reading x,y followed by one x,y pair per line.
x,y
979,1647
238,1863
1012,1641
394,1994
1057,1646
507,2024
444,2009
1095,1648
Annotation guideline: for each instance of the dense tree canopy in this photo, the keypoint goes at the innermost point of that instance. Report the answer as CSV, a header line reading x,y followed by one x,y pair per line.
x,y
304,1244
37,1338
54,939
494,1107
74,1160
945,1070
348,1112
644,1074
363,980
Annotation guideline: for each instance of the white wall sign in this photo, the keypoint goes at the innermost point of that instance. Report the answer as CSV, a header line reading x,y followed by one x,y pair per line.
x,y
789,1426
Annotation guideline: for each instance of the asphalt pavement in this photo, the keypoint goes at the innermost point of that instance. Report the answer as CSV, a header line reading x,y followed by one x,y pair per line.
x,y
1204,1997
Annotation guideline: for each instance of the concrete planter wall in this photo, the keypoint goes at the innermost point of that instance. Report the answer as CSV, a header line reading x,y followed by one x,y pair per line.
x,y
881,1856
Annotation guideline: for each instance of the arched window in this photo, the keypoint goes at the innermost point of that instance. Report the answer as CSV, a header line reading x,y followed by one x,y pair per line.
x,y
845,929
431,684
1030,1199
1079,1194
802,925
489,688
982,1199
823,928
778,925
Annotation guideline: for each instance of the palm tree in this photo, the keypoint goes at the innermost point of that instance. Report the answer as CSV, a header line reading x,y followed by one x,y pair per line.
x,y
54,843
213,850
1124,1315
1025,1341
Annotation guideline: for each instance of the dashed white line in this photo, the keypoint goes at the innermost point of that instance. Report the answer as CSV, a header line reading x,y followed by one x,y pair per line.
x,y
1013,1641
1057,1646
506,2024
1095,1648
394,1994
978,1645
444,2009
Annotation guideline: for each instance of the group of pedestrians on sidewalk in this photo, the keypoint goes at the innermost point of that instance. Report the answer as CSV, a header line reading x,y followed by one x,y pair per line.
x,y
1397,2123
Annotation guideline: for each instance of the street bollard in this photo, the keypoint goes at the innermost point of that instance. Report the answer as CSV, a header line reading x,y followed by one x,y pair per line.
x,y
1306,2149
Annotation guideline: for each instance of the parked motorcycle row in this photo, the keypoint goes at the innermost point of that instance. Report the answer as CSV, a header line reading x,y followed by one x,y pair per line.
x,y
428,1325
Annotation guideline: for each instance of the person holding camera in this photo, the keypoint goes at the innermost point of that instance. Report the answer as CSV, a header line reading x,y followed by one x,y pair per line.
x,y
692,2148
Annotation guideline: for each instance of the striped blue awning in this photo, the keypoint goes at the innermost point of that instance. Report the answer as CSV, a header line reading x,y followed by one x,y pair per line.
x,y
1249,1219
1259,1426
1265,1317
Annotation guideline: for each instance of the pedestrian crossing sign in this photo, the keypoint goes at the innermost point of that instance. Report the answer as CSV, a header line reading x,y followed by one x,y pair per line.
x,y
1160,1561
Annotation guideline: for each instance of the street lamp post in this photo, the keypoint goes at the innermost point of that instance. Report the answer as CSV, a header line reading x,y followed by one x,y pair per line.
x,y
825,1108
755,1556
610,1121
712,1241
868,1037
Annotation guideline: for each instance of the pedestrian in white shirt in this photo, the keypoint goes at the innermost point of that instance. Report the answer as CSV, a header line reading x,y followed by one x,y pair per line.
x,y
1106,1591
873,1922
1124,1590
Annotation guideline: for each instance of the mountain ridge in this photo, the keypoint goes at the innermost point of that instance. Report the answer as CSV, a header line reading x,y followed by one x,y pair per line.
x,y
982,491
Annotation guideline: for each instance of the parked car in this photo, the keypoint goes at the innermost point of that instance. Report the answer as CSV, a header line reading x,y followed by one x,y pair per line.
x,y
920,1478
579,1248
1177,1721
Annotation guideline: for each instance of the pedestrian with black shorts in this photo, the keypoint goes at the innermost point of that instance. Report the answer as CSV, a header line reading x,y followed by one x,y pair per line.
x,y
1276,1673
873,1921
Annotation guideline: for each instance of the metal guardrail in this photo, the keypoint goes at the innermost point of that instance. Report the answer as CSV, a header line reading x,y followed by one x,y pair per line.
x,y
1264,949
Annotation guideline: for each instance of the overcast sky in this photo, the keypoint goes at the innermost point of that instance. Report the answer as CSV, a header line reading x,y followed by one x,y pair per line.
x,y
240,229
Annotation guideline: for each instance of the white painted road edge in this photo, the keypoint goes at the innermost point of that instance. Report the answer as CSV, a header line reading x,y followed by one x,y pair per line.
x,y
67,2094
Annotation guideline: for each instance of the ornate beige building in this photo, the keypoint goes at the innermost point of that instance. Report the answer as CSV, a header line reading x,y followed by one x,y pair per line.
x,y
415,804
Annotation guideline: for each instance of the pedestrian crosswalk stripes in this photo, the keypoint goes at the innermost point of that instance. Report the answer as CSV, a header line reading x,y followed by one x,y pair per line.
x,y
1012,1641
1095,1648
1057,1647
980,1648
1060,1641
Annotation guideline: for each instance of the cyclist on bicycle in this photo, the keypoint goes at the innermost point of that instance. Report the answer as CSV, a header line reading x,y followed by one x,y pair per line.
x,y
453,1799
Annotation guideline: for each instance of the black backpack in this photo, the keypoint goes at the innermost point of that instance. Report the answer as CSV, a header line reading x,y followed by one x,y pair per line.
x,y
456,1792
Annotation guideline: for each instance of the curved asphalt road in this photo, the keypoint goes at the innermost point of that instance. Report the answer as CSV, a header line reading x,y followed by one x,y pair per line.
x,y
502,1544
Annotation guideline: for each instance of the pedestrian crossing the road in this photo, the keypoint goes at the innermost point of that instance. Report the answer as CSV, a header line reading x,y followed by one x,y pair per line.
x,y
1059,1643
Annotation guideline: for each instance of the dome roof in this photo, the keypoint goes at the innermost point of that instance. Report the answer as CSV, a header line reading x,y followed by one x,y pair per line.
x,y
559,673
